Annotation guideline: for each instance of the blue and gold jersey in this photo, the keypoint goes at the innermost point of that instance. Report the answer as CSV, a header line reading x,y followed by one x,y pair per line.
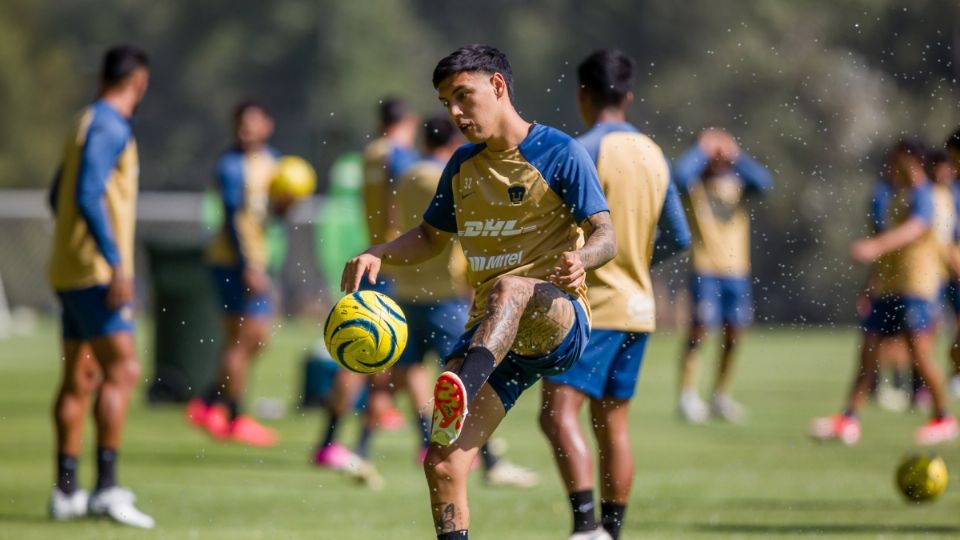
x,y
716,211
915,270
442,277
243,180
94,201
516,211
383,163
636,181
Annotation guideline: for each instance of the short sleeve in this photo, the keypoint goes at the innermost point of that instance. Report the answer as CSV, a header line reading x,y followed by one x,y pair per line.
x,y
577,183
921,203
441,213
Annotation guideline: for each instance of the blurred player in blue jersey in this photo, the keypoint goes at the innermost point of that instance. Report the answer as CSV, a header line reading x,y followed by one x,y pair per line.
x,y
238,261
650,227
435,297
904,289
384,160
525,204
716,178
94,198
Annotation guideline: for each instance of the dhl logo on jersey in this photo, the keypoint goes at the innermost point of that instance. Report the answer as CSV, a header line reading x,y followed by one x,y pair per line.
x,y
494,227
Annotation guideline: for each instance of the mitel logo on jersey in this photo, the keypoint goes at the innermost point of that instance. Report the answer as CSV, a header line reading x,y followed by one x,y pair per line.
x,y
516,193
495,262
493,227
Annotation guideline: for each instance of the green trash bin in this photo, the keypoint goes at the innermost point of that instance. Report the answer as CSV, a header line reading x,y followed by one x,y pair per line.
x,y
186,321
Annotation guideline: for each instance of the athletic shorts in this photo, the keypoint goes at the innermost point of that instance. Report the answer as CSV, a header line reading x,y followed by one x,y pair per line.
x,y
721,300
893,314
235,297
609,367
516,373
85,314
384,285
432,327
951,295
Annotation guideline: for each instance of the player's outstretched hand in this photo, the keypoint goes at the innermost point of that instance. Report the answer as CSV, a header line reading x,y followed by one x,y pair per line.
x,y
570,274
365,263
120,292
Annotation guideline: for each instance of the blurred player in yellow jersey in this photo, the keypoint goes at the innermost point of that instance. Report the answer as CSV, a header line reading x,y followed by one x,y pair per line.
x,y
94,199
715,179
650,226
525,204
238,261
905,284
384,160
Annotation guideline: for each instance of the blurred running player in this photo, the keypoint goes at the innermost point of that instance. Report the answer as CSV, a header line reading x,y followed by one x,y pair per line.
x,y
908,278
715,179
238,262
953,161
520,199
94,201
435,296
650,227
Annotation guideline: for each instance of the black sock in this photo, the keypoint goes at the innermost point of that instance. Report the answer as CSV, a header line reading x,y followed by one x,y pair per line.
x,y
331,430
66,473
612,517
476,369
424,423
233,408
453,535
489,458
212,395
363,444
584,515
900,379
106,468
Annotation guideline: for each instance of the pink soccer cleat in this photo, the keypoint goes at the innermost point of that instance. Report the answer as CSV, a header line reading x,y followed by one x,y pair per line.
x,y
936,431
449,408
837,427
245,429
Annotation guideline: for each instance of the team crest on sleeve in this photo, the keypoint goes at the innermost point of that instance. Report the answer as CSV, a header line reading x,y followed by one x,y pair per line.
x,y
516,193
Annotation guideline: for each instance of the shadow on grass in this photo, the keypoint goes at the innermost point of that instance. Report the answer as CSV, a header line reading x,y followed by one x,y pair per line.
x,y
832,528
808,505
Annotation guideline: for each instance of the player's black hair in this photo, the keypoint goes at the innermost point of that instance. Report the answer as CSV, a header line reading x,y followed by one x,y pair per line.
x,y
246,105
393,110
607,77
937,156
475,57
953,141
913,147
438,131
120,62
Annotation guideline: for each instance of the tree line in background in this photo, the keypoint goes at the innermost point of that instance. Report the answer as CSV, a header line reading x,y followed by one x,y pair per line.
x,y
815,90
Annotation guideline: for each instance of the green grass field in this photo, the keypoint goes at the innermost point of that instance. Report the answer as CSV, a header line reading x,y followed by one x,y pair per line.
x,y
763,480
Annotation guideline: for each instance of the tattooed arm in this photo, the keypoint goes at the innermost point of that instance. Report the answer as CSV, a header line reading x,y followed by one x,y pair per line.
x,y
600,247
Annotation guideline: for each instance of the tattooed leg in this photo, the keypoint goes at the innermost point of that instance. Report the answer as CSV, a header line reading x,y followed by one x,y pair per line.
x,y
447,467
526,315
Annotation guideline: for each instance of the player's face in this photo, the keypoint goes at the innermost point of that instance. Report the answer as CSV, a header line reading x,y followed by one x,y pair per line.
x,y
141,80
254,127
473,100
943,173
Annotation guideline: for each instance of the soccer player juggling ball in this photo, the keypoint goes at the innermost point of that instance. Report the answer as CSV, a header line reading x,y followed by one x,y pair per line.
x,y
94,199
520,198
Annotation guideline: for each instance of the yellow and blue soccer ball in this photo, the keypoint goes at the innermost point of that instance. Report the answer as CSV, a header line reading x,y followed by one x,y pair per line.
x,y
365,332
922,477
293,179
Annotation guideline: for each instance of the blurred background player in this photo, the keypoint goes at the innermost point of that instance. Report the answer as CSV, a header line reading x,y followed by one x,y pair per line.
x,y
953,160
238,263
908,279
520,199
715,179
384,160
435,298
94,199
644,206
